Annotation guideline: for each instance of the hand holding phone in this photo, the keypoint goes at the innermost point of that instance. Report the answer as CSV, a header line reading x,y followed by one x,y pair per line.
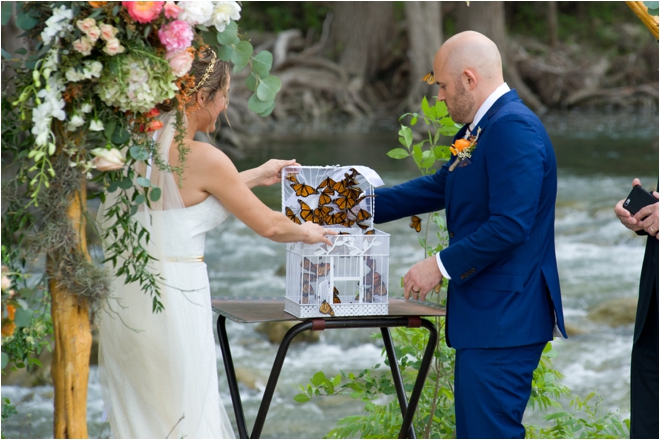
x,y
637,199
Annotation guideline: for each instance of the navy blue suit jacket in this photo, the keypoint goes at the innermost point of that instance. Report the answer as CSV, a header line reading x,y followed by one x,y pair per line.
x,y
504,287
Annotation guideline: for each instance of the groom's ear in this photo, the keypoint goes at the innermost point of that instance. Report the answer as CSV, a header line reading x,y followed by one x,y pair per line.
x,y
470,79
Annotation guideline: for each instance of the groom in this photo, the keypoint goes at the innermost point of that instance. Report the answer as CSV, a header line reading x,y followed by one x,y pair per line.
x,y
504,302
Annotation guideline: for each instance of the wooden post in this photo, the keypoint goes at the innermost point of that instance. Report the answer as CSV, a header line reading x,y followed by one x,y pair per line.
x,y
73,340
642,13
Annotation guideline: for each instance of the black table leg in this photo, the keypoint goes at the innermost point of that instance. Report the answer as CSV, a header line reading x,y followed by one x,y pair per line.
x,y
231,378
396,377
275,374
421,377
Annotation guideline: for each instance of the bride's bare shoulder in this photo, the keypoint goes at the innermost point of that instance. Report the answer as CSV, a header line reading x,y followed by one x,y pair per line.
x,y
203,155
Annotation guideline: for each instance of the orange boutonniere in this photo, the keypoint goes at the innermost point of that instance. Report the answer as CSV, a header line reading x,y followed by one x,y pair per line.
x,y
463,149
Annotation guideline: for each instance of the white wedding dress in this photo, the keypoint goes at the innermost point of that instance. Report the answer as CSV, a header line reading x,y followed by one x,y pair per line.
x,y
158,371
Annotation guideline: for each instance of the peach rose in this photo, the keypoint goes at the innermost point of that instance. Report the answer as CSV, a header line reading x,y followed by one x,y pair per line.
x,y
180,62
86,24
83,45
113,47
108,32
94,33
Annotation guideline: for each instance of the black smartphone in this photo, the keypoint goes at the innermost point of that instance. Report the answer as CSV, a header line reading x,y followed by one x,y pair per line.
x,y
637,199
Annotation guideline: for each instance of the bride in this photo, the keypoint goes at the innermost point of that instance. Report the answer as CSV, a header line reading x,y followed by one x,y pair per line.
x,y
158,370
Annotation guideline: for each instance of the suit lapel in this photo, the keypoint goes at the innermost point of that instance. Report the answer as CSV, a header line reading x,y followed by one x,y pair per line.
x,y
450,178
509,96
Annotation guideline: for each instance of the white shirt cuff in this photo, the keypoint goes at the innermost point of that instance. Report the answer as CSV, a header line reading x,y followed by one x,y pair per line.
x,y
441,266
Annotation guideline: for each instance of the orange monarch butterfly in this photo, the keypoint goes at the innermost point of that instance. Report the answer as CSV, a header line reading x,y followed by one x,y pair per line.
x,y
292,216
325,198
326,309
370,232
335,296
303,190
337,218
368,296
351,193
349,222
308,278
372,278
307,289
354,173
339,186
380,290
370,262
416,223
361,215
327,183
344,203
291,177
321,214
363,227
343,233
320,269
429,78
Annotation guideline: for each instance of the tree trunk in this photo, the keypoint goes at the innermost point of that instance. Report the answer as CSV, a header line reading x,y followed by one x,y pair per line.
x,y
73,341
488,19
553,24
361,33
424,27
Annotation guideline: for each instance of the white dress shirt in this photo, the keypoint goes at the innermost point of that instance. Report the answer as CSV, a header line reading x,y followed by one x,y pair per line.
x,y
488,103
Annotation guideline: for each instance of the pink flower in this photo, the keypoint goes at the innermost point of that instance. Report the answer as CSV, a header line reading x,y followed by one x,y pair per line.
x,y
83,45
113,47
108,160
143,12
180,62
86,24
172,10
108,32
176,35
93,34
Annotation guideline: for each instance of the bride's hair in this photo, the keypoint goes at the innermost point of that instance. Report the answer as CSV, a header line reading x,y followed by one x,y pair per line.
x,y
217,78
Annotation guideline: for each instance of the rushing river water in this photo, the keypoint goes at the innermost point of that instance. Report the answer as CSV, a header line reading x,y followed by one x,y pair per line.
x,y
598,156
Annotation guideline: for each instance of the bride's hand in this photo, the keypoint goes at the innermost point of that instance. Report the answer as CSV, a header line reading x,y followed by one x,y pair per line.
x,y
317,233
271,172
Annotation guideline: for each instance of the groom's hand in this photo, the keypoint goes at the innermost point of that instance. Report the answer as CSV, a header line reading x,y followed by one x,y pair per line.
x,y
421,278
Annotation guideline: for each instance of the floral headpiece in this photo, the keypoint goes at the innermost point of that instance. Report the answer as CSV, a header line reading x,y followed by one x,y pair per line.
x,y
209,71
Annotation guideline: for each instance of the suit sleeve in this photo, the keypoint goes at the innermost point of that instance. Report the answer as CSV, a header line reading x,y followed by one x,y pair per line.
x,y
417,196
515,164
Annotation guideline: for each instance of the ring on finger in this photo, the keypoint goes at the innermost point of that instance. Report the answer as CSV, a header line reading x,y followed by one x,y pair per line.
x,y
414,291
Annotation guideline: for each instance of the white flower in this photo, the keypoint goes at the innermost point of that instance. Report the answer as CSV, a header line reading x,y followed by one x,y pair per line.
x,y
75,122
86,108
73,76
223,13
57,23
96,125
108,160
195,12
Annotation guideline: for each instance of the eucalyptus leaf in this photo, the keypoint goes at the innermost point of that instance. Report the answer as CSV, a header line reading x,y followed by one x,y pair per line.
x,y
256,105
242,53
6,55
138,153
22,317
268,88
133,211
155,194
143,181
140,199
229,35
5,360
225,53
251,82
7,11
25,21
113,187
125,183
268,111
262,63
120,136
209,38
398,153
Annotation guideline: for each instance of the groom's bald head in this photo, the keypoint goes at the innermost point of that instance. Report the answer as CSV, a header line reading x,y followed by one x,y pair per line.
x,y
469,66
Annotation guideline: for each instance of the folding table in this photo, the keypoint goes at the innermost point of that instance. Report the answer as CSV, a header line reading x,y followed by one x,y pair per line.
x,y
401,313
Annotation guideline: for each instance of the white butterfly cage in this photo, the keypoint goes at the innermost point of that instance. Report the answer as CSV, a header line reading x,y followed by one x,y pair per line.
x,y
349,278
